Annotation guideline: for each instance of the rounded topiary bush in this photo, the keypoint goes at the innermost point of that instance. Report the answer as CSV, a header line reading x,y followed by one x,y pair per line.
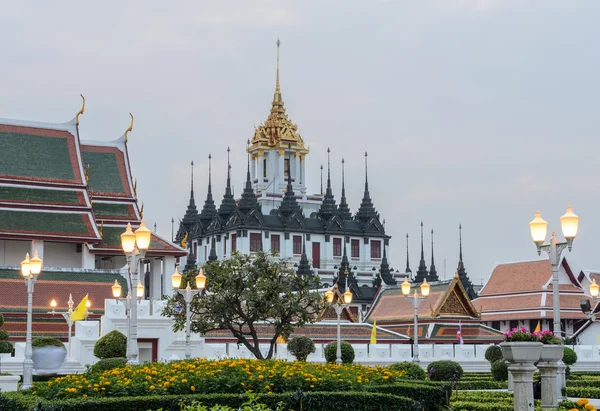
x,y
499,370
413,371
347,352
570,356
301,347
493,353
444,370
47,342
112,345
5,346
108,364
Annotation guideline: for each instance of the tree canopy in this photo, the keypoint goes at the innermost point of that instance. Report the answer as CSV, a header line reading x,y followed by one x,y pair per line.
x,y
246,291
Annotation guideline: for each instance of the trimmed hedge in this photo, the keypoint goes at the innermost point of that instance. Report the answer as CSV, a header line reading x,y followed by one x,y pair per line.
x,y
347,352
112,345
482,385
500,370
444,370
479,406
301,347
47,342
314,401
108,364
431,396
413,371
493,353
569,356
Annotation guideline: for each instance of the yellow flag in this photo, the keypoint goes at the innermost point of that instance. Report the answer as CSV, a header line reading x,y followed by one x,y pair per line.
x,y
538,328
374,333
280,339
79,313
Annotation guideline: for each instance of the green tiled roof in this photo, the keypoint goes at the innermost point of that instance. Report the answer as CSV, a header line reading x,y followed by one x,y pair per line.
x,y
104,172
111,210
86,276
27,155
36,195
43,222
111,236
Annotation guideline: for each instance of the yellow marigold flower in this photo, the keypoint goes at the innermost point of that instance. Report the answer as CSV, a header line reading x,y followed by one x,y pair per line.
x,y
193,388
152,387
589,406
582,401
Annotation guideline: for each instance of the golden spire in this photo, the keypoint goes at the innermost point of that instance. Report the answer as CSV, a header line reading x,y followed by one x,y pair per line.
x,y
80,111
135,187
277,88
142,211
130,127
87,174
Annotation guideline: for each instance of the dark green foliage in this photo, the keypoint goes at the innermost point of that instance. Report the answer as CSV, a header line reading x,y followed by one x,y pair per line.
x,y
3,335
1,320
481,406
47,342
444,370
6,347
482,385
430,396
493,353
313,401
301,347
413,371
570,356
347,352
108,364
500,370
112,345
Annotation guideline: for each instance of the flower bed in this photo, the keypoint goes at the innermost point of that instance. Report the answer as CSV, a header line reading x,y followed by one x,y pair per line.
x,y
223,376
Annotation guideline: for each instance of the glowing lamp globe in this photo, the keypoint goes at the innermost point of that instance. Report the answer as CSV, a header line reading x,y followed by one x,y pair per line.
x,y
200,280
139,289
569,223
329,295
347,297
26,266
128,240
176,279
35,264
88,304
425,288
405,286
142,236
594,289
53,304
538,227
116,289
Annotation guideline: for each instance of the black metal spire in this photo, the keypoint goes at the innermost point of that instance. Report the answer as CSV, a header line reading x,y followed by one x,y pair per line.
x,y
384,269
407,270
191,261
213,252
343,209
366,210
248,200
228,205
328,207
422,270
432,271
321,179
344,265
462,273
191,214
209,210
304,266
289,205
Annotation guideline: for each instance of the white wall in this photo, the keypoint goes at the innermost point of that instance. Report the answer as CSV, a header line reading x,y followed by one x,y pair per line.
x,y
62,255
12,252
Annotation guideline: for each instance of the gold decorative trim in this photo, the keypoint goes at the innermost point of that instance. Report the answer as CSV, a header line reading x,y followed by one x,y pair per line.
x,y
80,111
130,127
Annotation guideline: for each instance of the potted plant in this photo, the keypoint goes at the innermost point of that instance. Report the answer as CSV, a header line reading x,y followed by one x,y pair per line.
x,y
552,349
520,346
48,354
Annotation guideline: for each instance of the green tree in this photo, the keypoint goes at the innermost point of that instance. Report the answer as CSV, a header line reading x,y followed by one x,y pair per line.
x,y
246,291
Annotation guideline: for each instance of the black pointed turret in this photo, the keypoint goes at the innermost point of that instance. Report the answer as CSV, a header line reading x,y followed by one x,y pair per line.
x,y
191,215
213,252
343,209
191,261
422,270
366,210
344,265
384,269
462,273
228,205
407,270
289,205
248,201
304,266
432,271
209,210
328,207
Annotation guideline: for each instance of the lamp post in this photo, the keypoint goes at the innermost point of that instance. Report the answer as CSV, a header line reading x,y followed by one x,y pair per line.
x,y
338,310
116,291
188,296
30,269
415,300
587,309
67,316
134,246
569,223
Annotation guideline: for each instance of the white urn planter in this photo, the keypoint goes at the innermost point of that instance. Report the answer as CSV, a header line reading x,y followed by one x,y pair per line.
x,y
526,352
552,352
9,382
521,356
47,360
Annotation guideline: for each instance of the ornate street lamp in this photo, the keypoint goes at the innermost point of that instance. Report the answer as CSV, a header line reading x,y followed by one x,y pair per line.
x,y
30,269
67,316
415,300
339,307
188,295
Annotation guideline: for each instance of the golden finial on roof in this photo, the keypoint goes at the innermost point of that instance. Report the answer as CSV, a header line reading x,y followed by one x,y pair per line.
x,y
80,111
184,241
142,211
135,188
130,127
277,89
101,227
87,174
91,198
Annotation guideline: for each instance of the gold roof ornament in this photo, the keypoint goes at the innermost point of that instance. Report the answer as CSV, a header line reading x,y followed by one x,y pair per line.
x,y
277,131
87,174
130,127
80,111
101,227
184,241
142,211
135,188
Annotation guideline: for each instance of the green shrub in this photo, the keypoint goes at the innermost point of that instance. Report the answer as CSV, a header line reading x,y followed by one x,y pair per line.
x,y
347,352
444,370
570,356
301,347
481,385
1,320
431,396
493,353
413,371
47,342
6,347
108,364
112,345
500,370
3,335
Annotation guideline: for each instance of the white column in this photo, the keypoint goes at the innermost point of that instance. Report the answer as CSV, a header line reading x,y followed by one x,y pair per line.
x,y
37,245
296,174
168,267
281,171
252,168
261,172
88,261
155,277
365,258
301,181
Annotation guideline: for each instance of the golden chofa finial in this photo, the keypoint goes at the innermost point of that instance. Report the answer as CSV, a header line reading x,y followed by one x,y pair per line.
x,y
101,227
80,111
87,174
130,127
277,90
142,211
135,188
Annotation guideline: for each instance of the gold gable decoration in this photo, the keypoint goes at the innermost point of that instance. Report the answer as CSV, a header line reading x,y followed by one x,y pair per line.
x,y
455,301
452,305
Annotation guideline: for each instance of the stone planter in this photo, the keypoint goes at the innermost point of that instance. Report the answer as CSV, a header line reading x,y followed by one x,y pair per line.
x,y
47,360
552,352
521,352
9,382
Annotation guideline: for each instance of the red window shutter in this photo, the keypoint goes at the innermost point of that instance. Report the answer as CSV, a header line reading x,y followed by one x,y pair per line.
x,y
337,247
297,244
275,244
355,246
233,242
375,249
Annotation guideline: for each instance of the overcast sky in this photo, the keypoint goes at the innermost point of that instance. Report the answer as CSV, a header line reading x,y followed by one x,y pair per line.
x,y
473,111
